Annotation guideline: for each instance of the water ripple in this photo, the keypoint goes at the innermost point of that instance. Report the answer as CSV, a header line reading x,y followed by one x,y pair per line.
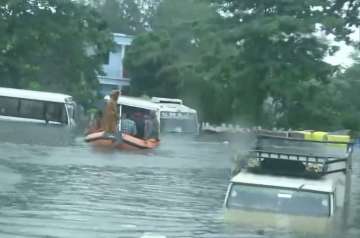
x,y
76,192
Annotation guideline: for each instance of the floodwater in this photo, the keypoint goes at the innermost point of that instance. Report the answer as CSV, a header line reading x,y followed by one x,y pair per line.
x,y
176,190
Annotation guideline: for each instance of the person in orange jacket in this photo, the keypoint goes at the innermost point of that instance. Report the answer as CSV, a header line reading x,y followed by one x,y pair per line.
x,y
111,113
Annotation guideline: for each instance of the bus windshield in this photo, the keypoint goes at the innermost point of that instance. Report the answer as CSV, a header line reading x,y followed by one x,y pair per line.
x,y
279,200
178,125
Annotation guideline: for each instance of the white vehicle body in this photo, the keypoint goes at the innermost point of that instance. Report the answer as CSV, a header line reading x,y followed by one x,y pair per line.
x,y
25,109
133,104
285,202
300,218
176,117
136,103
139,103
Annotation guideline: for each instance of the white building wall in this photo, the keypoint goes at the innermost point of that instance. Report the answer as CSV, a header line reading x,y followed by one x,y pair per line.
x,y
113,70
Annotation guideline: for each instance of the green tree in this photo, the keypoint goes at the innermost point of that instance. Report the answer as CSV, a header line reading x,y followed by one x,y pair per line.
x,y
126,16
346,95
278,56
165,61
233,58
152,59
335,105
52,45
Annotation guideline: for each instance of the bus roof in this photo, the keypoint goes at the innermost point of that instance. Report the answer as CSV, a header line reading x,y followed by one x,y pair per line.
x,y
172,105
136,102
34,95
167,100
168,107
320,185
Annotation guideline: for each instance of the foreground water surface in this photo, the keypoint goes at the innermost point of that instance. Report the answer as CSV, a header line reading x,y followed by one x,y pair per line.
x,y
176,190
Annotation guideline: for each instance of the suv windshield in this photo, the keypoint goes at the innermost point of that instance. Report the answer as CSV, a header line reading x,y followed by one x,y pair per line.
x,y
279,200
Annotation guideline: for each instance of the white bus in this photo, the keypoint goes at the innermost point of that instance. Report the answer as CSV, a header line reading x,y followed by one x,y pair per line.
x,y
28,116
175,117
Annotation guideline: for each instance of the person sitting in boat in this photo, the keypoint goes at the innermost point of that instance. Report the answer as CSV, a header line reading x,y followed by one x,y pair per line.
x,y
139,120
128,126
151,126
111,115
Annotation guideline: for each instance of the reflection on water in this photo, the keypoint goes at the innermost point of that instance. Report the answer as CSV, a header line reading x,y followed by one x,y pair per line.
x,y
174,191
8,178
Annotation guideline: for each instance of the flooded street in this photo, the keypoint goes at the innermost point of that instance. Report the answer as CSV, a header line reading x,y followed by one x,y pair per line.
x,y
174,191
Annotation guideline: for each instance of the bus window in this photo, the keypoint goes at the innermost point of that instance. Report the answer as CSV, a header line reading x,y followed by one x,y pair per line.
x,y
9,106
64,116
55,112
31,109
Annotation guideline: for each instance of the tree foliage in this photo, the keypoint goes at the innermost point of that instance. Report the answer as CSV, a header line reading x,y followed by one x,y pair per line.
x,y
165,61
253,61
126,16
52,45
250,61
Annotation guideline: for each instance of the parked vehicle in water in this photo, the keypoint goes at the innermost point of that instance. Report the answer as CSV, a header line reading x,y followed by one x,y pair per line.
x,y
326,136
288,183
145,116
175,117
28,116
310,135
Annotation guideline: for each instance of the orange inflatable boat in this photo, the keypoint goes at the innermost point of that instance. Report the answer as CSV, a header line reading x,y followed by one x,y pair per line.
x,y
102,140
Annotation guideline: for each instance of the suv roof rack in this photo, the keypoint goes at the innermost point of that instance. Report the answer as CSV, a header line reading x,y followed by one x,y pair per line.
x,y
299,157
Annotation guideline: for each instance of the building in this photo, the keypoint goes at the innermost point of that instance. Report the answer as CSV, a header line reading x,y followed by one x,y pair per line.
x,y
115,76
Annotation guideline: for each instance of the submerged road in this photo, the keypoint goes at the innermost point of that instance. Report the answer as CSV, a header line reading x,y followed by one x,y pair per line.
x,y
176,190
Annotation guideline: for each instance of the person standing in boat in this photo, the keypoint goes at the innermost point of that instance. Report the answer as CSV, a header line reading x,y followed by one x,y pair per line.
x,y
111,114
